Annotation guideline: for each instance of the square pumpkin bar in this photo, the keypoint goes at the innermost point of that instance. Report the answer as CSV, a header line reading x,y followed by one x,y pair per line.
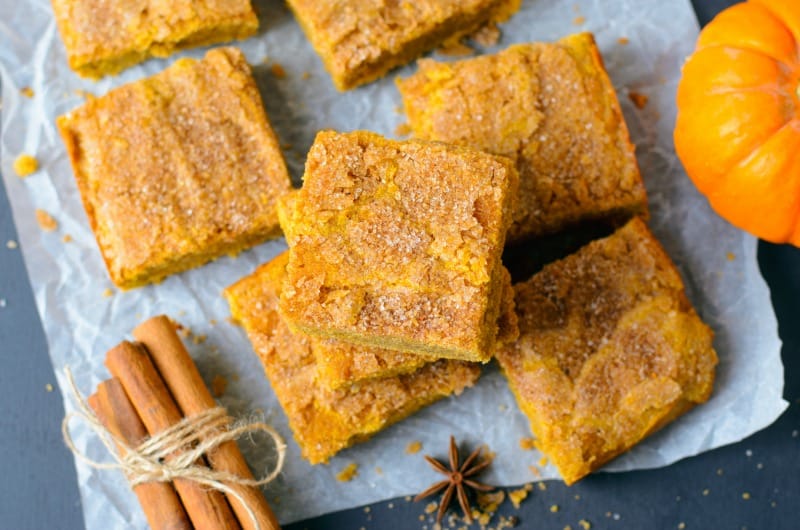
x,y
397,245
610,350
325,421
177,169
360,40
550,107
104,37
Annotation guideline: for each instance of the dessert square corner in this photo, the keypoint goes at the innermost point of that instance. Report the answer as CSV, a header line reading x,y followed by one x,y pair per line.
x,y
177,169
397,245
103,38
610,350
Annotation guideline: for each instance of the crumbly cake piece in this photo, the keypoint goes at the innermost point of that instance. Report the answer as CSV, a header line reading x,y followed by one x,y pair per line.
x,y
361,40
104,38
397,245
177,169
326,421
553,109
610,350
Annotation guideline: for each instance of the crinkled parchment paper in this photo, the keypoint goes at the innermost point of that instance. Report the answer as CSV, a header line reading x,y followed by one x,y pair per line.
x,y
718,262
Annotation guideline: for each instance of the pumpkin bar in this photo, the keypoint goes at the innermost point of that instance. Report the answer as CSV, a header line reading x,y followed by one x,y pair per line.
x,y
177,169
361,40
326,421
397,245
610,350
550,107
104,38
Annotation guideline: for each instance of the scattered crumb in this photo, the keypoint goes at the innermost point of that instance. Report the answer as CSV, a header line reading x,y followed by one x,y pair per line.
x,y
731,256
488,35
306,75
408,498
542,461
3,302
404,129
348,473
623,40
379,470
746,496
554,508
517,496
199,339
579,21
183,331
535,471
542,486
568,527
85,94
586,525
759,466
45,220
48,387
681,525
218,385
455,49
108,292
720,472
367,509
431,507
398,109
11,244
277,70
67,238
414,447
639,99
502,407
213,322
25,165
27,91
706,492
526,444
577,497
390,505
489,502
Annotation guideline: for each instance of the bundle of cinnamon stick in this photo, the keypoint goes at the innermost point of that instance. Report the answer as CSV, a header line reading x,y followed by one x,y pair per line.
x,y
156,384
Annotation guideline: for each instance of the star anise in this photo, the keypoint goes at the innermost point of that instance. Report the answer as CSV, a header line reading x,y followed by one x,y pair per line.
x,y
457,481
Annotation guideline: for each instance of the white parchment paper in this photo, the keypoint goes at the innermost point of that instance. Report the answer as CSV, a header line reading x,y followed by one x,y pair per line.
x,y
69,279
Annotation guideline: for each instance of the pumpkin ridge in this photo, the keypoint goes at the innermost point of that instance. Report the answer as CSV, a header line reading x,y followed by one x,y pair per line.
x,y
750,49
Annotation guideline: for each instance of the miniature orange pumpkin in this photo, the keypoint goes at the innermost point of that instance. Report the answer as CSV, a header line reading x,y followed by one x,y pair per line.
x,y
738,126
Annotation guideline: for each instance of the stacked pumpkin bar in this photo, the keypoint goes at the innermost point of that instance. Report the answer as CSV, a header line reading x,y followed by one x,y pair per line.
x,y
392,288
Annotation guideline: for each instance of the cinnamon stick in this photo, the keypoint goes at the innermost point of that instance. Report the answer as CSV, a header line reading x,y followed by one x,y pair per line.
x,y
157,410
181,376
160,503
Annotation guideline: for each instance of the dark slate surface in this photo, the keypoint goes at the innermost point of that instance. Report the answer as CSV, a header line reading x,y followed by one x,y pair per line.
x,y
753,484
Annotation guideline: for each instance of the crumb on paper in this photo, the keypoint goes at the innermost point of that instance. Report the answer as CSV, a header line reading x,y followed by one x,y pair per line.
x,y
25,165
720,471
404,129
278,70
218,385
639,99
535,471
542,486
108,292
348,473
11,244
706,492
27,92
213,322
367,509
85,94
489,502
199,339
746,496
623,40
526,444
517,496
431,507
502,407
681,525
487,36
414,447
48,387
579,21
306,75
731,256
67,238
542,462
586,525
45,220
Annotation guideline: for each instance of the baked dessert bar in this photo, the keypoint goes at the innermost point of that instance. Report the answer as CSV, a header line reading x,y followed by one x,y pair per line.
x,y
104,37
610,350
360,40
397,245
552,108
326,421
177,169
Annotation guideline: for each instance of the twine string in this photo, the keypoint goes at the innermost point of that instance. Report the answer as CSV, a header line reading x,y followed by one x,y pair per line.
x,y
186,441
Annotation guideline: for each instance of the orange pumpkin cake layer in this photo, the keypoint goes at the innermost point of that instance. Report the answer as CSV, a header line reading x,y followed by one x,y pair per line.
x,y
397,245
177,169
326,421
360,40
104,38
550,107
610,350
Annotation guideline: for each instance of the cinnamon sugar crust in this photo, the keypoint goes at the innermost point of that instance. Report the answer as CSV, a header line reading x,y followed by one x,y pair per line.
x,y
326,421
360,40
550,107
177,169
610,350
397,245
104,38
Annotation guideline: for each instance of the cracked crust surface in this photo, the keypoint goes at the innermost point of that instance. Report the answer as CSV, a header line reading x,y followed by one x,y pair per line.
x,y
610,350
325,421
550,107
177,169
397,245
